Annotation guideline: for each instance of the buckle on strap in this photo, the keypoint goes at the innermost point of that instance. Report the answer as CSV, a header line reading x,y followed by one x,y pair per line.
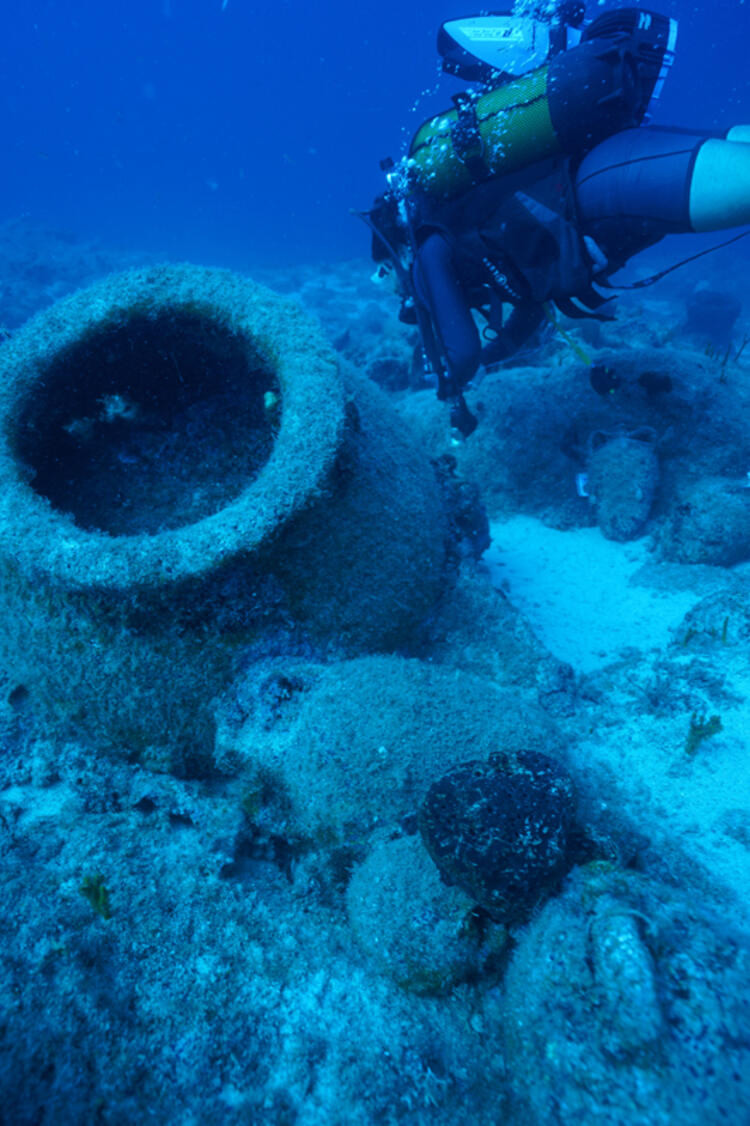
x,y
467,142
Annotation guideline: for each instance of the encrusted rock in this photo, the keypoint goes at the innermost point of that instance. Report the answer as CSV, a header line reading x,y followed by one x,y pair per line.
x,y
709,523
625,1002
499,829
333,752
409,923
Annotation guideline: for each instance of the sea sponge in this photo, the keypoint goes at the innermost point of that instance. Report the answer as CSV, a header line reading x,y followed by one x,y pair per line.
x,y
499,829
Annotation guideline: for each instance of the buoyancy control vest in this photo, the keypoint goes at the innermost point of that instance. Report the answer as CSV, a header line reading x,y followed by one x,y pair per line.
x,y
519,235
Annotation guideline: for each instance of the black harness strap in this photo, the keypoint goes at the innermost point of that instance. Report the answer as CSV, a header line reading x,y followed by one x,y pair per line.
x,y
430,346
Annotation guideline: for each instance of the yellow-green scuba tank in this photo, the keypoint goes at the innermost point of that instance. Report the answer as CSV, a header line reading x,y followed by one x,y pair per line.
x,y
565,106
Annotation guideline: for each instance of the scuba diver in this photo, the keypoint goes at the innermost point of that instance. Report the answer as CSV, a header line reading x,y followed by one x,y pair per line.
x,y
542,181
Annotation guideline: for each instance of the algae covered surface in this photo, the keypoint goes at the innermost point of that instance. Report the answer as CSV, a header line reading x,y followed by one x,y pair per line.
x,y
260,826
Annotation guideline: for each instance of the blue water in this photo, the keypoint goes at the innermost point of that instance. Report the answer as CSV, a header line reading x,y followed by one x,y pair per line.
x,y
245,133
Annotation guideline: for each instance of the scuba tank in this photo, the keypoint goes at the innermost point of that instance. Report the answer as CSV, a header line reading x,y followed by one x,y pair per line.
x,y
565,106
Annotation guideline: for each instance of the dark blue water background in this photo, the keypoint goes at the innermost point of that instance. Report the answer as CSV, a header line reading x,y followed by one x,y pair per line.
x,y
244,134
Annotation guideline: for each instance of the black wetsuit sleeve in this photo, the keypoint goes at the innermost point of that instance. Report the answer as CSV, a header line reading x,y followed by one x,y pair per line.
x,y
519,326
439,290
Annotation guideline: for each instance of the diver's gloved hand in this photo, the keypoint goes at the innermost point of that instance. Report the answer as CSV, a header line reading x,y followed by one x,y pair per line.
x,y
463,422
448,388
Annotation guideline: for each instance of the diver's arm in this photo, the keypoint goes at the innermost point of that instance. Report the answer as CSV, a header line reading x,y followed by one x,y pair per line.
x,y
439,290
522,322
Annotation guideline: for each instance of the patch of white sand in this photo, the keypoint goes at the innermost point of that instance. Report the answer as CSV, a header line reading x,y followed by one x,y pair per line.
x,y
585,600
576,590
